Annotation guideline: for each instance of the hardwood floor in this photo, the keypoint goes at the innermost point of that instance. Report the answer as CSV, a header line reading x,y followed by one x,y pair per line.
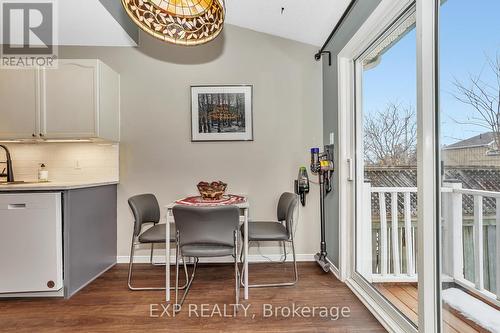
x,y
107,305
405,298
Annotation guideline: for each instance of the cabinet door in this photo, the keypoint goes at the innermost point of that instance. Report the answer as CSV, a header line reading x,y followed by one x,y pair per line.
x,y
109,104
70,97
18,103
30,242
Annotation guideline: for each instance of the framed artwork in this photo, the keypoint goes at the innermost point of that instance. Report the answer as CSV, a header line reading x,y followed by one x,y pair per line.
x,y
222,113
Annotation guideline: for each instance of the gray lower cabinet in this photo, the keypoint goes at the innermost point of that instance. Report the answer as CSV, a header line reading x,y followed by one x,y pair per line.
x,y
89,235
31,242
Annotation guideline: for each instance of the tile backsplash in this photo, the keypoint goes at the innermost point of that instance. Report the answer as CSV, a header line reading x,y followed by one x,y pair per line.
x,y
85,162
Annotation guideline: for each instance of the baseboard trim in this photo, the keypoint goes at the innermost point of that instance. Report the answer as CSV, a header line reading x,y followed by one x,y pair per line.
x,y
334,270
252,258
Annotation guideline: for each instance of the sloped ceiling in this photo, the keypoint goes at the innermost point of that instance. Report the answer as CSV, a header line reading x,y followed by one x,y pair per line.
x,y
103,22
307,21
87,22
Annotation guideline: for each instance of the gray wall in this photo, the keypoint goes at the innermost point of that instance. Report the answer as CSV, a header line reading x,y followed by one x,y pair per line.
x,y
359,13
156,153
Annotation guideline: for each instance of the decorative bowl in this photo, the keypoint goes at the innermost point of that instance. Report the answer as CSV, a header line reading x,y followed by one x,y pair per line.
x,y
212,191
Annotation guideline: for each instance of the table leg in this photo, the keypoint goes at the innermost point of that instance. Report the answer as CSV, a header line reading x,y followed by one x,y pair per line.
x,y
167,258
245,250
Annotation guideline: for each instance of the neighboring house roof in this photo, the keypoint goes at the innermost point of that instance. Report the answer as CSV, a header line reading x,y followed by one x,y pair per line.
x,y
481,140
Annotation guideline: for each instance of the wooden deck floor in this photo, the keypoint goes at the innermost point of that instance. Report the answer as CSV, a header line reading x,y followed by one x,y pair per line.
x,y
107,305
405,298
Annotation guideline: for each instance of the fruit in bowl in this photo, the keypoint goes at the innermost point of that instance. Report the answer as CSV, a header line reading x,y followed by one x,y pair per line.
x,y
212,191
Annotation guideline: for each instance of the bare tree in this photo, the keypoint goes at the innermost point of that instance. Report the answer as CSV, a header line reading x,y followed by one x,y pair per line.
x,y
484,97
390,136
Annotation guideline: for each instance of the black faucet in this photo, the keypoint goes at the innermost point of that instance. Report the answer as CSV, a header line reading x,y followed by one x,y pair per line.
x,y
10,171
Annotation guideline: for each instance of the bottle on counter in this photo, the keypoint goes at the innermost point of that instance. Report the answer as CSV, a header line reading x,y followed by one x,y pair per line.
x,y
43,173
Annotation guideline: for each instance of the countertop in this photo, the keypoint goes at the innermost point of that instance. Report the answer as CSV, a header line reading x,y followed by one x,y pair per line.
x,y
52,186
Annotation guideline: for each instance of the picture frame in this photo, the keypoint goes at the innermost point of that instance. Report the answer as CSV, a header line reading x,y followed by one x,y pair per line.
x,y
222,113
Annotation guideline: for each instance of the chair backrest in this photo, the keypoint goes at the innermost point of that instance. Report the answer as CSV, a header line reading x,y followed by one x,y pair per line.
x,y
206,225
286,207
146,209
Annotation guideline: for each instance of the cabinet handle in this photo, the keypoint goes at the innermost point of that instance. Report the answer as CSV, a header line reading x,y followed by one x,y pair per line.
x,y
16,206
33,135
41,134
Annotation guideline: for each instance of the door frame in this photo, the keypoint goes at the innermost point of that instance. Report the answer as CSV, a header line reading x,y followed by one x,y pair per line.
x,y
382,18
428,176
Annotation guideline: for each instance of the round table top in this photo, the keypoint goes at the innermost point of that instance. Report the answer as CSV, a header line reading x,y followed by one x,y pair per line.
x,y
228,199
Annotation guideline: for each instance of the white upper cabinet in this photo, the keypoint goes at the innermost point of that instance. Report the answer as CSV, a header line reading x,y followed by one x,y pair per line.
x,y
18,103
80,99
108,120
69,100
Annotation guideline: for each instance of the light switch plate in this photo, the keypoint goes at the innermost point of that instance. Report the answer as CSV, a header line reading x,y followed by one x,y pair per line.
x,y
332,138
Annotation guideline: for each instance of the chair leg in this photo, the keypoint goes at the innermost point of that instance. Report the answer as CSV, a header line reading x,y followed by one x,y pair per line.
x,y
185,270
284,252
177,248
241,252
131,264
156,263
295,270
151,255
178,305
283,284
130,270
236,272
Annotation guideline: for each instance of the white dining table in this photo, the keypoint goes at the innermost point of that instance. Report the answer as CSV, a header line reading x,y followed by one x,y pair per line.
x,y
244,207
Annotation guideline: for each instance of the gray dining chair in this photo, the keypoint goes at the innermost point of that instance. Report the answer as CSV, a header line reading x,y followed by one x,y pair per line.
x,y
280,230
206,232
147,211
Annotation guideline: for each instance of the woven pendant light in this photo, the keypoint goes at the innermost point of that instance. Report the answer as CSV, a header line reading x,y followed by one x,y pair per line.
x,y
183,22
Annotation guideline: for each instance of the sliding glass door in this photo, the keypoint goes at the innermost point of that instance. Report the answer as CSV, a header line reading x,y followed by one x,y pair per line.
x,y
470,154
427,154
386,161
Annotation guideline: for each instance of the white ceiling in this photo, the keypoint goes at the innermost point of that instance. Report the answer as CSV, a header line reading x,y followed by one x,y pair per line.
x,y
87,22
307,21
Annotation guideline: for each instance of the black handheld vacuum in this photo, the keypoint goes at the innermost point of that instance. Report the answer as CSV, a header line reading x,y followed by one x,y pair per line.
x,y
322,165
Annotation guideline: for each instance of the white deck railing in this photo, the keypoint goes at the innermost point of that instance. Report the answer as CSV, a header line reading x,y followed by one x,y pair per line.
x,y
387,245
